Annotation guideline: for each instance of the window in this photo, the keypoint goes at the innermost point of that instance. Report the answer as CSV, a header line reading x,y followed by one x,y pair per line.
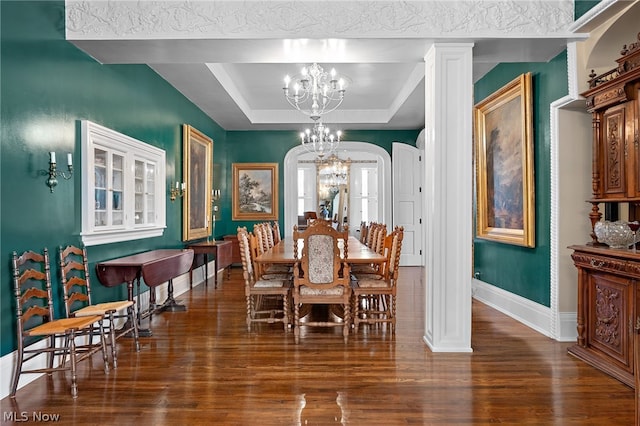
x,y
306,188
123,194
365,193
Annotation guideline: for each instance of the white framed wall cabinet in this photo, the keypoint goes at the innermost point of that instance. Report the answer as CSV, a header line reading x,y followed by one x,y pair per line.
x,y
123,195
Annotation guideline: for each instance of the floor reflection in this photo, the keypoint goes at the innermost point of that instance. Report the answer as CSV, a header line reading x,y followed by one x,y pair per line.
x,y
318,409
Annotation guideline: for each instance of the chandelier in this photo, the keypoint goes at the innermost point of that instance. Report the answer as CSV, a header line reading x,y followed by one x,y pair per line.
x,y
315,92
333,172
319,140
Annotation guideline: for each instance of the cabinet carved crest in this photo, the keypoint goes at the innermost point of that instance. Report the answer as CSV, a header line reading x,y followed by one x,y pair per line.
x,y
607,324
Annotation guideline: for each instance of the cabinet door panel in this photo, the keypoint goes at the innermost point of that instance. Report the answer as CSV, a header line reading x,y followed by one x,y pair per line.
x,y
613,152
610,308
634,145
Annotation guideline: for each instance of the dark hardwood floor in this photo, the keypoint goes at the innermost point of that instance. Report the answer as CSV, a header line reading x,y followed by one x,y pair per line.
x,y
203,367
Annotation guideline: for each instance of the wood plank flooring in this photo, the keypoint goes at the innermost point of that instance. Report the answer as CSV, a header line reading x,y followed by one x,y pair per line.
x,y
203,367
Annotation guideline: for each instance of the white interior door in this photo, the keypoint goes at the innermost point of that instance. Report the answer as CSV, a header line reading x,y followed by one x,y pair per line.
x,y
407,201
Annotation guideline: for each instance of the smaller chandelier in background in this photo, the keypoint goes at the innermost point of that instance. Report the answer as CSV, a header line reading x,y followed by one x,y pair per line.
x,y
334,171
315,92
319,140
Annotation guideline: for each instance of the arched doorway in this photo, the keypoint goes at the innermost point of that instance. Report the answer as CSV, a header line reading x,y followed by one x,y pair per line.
x,y
349,149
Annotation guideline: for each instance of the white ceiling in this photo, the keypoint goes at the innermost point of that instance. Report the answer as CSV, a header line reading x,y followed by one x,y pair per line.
x,y
236,78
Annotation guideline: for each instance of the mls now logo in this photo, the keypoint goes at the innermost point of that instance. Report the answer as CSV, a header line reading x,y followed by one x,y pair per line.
x,y
25,416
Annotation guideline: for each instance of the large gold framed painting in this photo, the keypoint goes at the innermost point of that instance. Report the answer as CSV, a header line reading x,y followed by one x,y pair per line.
x,y
197,169
504,165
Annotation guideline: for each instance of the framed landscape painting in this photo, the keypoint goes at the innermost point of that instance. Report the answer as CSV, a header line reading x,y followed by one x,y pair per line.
x,y
197,170
504,165
255,191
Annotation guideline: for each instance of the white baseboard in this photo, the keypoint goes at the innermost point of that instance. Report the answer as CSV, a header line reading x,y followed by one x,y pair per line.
x,y
531,314
567,326
7,362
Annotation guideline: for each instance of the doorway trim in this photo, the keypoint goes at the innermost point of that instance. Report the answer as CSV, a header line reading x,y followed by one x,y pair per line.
x,y
291,180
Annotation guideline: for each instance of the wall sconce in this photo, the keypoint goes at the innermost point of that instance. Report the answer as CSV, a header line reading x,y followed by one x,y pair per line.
x,y
176,192
215,194
52,173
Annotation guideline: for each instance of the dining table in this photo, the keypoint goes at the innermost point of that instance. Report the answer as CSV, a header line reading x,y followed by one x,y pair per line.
x,y
282,253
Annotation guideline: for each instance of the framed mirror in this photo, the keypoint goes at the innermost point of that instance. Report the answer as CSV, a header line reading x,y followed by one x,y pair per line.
x,y
332,182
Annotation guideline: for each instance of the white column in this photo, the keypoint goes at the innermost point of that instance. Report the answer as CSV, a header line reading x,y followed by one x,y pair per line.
x,y
448,196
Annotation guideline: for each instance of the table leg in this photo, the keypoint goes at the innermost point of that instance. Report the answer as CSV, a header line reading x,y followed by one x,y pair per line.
x,y
215,273
170,304
142,332
206,269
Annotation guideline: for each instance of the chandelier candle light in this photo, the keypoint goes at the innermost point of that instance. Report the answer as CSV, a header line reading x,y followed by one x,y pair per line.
x,y
315,92
319,140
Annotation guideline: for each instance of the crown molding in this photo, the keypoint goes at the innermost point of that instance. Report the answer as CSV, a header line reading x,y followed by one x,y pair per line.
x,y
101,19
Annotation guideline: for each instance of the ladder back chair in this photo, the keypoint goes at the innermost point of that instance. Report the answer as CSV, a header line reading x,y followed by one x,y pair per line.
x,y
76,290
38,332
267,299
321,275
374,295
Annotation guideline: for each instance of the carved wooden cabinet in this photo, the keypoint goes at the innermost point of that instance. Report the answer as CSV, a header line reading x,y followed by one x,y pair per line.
x,y
613,99
609,279
607,311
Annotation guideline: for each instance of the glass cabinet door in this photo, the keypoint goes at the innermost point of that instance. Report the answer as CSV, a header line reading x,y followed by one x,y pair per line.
x,y
150,196
117,191
100,187
108,188
144,192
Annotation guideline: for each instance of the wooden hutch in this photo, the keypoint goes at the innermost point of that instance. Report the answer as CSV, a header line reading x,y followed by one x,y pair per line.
x,y
609,279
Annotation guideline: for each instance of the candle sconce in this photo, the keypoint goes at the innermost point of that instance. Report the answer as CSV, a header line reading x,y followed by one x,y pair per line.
x,y
53,173
177,191
215,194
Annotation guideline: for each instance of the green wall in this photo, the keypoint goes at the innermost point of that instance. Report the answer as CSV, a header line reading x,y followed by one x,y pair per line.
x,y
47,85
272,146
520,270
581,7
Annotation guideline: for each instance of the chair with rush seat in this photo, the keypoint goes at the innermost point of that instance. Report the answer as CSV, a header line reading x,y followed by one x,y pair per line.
x,y
76,286
38,332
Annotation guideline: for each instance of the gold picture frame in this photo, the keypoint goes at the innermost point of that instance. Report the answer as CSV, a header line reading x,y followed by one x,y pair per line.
x,y
504,165
255,191
197,170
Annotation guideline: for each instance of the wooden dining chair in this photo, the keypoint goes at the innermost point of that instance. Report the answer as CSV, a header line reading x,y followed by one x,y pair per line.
x,y
38,332
76,290
277,235
321,276
364,228
377,233
374,294
373,228
261,233
267,299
